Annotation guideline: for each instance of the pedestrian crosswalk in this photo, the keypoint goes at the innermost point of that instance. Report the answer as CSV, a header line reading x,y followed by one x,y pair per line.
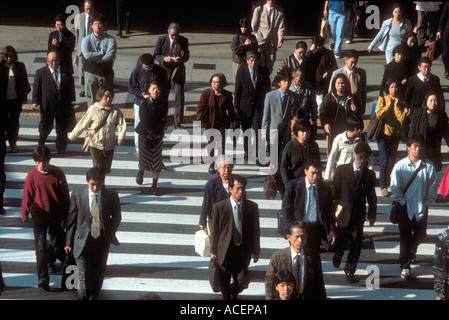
x,y
157,253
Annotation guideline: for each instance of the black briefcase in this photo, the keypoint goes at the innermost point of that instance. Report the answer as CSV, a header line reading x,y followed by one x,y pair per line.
x,y
69,261
214,275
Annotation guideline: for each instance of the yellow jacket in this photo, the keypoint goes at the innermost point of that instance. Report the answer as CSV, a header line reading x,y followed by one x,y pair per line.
x,y
392,115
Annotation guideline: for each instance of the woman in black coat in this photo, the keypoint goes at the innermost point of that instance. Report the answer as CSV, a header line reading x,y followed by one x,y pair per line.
x,y
153,117
338,106
215,110
432,123
242,42
14,88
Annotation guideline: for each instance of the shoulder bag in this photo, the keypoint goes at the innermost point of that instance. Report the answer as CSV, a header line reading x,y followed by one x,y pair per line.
x,y
90,134
396,206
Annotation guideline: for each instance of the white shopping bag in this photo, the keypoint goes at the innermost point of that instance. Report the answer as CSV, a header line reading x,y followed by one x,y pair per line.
x,y
202,243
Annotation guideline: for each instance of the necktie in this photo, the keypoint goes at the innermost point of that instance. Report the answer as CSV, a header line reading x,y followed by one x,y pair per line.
x,y
55,77
238,225
297,272
89,26
173,46
357,176
284,102
352,82
312,204
95,226
253,78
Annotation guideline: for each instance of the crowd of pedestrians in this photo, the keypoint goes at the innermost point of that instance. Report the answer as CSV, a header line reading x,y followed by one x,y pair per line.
x,y
320,207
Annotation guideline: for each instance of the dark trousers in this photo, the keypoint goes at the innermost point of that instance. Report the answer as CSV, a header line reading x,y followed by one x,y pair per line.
x,y
46,125
267,56
235,268
48,250
92,266
13,109
411,234
315,232
220,148
123,11
102,159
354,235
250,123
179,100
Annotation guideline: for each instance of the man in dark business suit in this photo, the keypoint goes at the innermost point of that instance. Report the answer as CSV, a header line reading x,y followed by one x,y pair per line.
x,y
62,41
235,237
251,84
356,76
92,222
354,185
53,93
304,264
171,52
307,199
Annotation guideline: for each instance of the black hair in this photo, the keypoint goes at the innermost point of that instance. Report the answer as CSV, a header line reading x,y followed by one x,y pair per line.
x,y
41,153
95,174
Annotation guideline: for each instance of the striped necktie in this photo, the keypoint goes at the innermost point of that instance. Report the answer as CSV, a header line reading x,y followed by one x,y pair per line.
x,y
95,226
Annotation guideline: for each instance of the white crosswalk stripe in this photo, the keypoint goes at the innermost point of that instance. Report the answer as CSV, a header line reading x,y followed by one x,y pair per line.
x,y
157,233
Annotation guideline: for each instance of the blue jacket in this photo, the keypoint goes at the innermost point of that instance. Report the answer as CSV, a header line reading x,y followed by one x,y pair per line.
x,y
140,80
383,35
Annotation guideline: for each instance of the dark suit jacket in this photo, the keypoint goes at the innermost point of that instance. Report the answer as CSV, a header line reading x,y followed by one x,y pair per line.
x,y
293,204
221,226
247,100
21,78
353,197
162,49
213,192
417,90
79,221
47,95
64,49
314,288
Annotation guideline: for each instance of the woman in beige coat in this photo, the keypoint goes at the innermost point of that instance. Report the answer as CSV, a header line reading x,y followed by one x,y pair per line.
x,y
102,120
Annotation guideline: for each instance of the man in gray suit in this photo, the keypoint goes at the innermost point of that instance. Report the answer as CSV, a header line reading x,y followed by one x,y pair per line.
x,y
356,76
304,264
92,222
83,27
268,25
278,107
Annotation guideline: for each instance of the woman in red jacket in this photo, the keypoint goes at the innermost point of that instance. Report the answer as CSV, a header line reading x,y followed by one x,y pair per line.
x,y
215,110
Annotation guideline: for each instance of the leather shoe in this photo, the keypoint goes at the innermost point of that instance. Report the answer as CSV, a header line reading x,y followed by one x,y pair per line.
x,y
44,285
82,94
350,277
446,75
139,177
336,261
178,126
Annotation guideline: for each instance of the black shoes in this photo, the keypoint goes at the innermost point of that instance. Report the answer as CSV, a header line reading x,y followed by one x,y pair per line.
x,y
44,284
178,126
336,261
350,277
139,177
446,75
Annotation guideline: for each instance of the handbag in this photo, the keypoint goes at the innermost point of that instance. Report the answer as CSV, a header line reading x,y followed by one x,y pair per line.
x,y
443,188
202,243
270,187
396,206
90,135
324,28
69,261
214,275
375,128
434,50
